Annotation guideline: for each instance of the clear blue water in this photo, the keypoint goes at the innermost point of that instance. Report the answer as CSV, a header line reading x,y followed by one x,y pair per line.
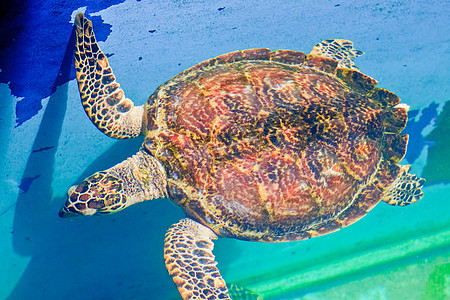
x,y
49,144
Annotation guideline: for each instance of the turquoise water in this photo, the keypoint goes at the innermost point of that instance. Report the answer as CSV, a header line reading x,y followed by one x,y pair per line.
x,y
49,145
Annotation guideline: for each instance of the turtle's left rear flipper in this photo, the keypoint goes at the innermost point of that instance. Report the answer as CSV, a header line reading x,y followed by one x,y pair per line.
x,y
340,50
101,96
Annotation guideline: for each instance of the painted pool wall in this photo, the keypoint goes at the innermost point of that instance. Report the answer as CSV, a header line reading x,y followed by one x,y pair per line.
x,y
49,145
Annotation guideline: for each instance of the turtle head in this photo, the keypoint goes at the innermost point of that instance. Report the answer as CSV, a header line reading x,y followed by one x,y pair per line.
x,y
101,193
140,177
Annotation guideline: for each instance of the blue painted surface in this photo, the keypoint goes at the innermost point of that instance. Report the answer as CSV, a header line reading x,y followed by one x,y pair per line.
x,y
50,145
35,35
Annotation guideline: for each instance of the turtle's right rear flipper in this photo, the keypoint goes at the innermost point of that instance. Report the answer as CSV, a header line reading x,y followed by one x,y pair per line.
x,y
406,189
191,263
101,96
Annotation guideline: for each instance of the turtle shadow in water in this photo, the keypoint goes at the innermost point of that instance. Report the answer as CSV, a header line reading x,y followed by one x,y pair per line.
x,y
33,220
110,257
81,258
36,179
116,256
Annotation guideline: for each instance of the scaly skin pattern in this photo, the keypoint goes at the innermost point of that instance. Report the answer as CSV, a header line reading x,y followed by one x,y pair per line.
x,y
98,191
190,261
138,178
275,146
405,190
102,98
340,50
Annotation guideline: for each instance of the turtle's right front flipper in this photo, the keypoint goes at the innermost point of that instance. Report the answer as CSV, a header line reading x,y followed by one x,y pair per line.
x,y
191,263
101,96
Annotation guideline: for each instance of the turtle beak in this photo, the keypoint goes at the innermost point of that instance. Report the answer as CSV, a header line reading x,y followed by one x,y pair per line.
x,y
68,210
64,213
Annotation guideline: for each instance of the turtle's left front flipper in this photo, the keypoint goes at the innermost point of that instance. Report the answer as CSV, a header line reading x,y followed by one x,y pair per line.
x,y
189,260
101,96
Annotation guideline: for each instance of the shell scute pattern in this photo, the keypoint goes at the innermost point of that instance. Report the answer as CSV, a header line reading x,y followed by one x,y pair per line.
x,y
288,56
321,63
273,146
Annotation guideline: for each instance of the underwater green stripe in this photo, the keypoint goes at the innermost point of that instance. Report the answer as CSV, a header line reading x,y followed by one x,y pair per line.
x,y
322,273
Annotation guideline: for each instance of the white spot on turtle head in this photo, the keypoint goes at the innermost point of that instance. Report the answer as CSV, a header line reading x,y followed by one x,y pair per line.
x,y
71,190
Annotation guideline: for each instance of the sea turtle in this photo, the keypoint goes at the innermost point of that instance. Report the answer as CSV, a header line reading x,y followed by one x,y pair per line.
x,y
257,145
